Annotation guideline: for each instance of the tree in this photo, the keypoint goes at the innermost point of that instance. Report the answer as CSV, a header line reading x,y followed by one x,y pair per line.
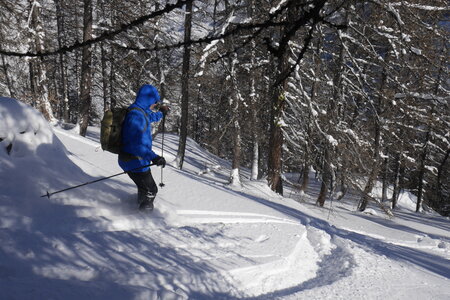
x,y
62,65
297,16
185,86
86,71
38,72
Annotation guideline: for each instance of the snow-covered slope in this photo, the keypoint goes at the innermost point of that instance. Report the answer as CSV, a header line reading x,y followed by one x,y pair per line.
x,y
205,239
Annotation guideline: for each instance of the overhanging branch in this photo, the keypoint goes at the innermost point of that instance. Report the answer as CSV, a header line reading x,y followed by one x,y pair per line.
x,y
108,35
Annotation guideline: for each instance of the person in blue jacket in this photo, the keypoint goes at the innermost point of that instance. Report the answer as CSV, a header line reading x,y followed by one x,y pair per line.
x,y
136,148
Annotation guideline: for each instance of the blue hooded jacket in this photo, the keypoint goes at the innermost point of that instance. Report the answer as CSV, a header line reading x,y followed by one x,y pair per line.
x,y
136,131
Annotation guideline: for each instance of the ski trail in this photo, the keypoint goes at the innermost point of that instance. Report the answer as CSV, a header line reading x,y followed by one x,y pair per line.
x,y
198,216
263,278
77,138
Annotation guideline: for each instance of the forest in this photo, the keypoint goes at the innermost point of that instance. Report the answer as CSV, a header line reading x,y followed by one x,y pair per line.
x,y
355,91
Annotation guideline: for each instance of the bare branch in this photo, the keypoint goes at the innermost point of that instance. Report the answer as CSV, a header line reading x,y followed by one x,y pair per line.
x,y
107,35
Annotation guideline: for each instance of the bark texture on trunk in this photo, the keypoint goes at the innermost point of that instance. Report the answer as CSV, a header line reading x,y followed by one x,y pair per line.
x,y
86,72
185,87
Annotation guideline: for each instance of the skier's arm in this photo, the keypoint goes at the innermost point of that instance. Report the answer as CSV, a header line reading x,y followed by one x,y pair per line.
x,y
155,116
151,155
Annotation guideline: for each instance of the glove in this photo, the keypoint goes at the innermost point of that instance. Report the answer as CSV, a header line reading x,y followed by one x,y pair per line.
x,y
159,161
164,109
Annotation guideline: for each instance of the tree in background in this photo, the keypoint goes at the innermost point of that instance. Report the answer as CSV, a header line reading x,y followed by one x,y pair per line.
x,y
86,70
185,86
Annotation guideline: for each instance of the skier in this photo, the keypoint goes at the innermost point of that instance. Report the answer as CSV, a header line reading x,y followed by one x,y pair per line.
x,y
136,148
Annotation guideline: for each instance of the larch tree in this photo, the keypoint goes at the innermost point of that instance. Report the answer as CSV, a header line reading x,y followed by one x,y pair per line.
x,y
37,67
185,86
86,69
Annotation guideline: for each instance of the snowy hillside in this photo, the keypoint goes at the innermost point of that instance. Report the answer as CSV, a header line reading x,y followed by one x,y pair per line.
x,y
205,240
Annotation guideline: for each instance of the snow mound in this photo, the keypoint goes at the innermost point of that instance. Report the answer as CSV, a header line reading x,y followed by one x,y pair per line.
x,y
22,129
32,159
407,201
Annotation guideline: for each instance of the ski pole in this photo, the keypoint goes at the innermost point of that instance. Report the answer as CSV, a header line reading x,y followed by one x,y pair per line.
x,y
161,184
97,180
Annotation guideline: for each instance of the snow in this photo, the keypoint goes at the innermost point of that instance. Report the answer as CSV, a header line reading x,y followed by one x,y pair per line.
x,y
275,9
419,6
332,140
235,178
416,51
204,240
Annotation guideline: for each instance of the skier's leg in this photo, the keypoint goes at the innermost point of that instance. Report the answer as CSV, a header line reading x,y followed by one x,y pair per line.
x,y
147,188
152,190
150,183
139,179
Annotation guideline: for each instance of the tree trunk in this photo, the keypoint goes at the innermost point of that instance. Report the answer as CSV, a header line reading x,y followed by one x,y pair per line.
x,y
440,170
63,83
328,171
185,86
112,78
422,173
32,87
385,180
104,60
343,184
277,95
161,77
253,101
112,62
236,163
255,159
38,72
159,65
374,172
235,102
326,178
237,149
276,137
305,177
8,81
106,102
397,174
255,138
86,71
377,146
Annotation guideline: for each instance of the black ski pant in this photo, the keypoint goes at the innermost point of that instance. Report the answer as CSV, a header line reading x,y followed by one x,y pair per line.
x,y
146,185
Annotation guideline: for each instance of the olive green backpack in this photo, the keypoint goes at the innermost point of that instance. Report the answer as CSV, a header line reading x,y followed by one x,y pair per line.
x,y
111,128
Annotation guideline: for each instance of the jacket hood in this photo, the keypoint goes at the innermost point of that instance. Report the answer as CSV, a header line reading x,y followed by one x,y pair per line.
x,y
147,96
